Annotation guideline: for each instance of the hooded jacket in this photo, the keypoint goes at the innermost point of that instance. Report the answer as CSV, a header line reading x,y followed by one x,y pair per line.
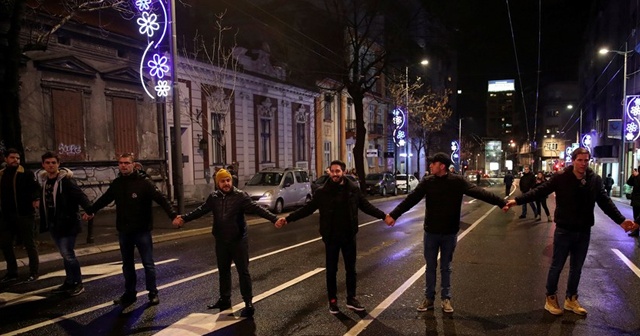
x,y
575,199
228,209
443,199
67,198
527,182
25,190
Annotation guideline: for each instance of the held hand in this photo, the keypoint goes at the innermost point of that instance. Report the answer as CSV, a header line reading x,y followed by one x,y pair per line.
x,y
36,204
628,225
87,217
178,221
509,205
389,220
280,222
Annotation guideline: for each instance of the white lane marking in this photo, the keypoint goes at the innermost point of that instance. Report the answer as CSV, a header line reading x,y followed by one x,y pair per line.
x,y
105,270
627,262
203,324
364,323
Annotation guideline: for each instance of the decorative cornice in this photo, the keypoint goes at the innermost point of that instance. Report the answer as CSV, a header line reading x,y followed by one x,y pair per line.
x,y
67,64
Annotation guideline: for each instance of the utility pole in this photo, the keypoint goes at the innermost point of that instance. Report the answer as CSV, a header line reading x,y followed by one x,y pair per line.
x,y
176,151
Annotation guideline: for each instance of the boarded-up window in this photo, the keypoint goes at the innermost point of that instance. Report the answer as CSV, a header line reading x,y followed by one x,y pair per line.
x,y
68,124
125,126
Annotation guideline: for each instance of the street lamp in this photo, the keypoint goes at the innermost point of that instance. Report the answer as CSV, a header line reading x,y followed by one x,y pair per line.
x,y
623,155
406,100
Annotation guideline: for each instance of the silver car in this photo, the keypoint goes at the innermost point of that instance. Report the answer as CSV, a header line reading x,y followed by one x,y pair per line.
x,y
401,183
279,188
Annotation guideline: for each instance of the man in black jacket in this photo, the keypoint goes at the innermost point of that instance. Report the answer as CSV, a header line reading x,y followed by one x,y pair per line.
x,y
229,205
59,215
133,195
577,189
527,182
634,182
442,193
508,183
18,201
338,201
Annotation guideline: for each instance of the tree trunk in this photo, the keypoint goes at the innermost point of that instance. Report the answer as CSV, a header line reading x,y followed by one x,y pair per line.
x,y
361,133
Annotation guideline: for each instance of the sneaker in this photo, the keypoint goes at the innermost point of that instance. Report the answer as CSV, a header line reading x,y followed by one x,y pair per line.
x,y
222,304
446,306
522,217
549,219
354,304
551,305
75,290
426,304
9,278
125,300
65,287
538,217
333,306
572,304
248,310
32,278
153,298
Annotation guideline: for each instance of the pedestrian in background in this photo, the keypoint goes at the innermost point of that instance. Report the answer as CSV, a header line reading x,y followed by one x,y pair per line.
x,y
541,203
527,182
234,175
229,205
478,177
59,214
508,183
19,197
608,184
634,182
133,194
578,188
442,193
338,201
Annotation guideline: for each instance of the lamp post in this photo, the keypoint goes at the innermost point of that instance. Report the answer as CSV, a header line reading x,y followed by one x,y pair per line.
x,y
623,155
406,100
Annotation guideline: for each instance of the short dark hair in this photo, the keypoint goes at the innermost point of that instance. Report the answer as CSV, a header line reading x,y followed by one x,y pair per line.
x,y
50,155
127,156
579,151
10,151
342,165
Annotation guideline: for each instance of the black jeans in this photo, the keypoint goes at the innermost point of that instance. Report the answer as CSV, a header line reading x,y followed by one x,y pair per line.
x,y
349,255
24,228
542,204
236,251
144,243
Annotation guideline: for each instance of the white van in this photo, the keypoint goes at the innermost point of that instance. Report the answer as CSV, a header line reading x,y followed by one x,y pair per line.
x,y
279,188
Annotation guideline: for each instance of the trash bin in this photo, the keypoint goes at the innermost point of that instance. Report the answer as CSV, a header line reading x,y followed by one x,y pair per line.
x,y
615,191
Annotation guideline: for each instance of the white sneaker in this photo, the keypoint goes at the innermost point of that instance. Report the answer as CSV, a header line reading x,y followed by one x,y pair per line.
x,y
446,306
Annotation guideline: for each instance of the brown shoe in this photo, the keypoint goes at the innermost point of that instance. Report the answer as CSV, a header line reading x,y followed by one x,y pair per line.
x,y
551,305
572,304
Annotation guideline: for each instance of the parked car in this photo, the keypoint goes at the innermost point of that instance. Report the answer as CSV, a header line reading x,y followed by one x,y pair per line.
x,y
381,183
401,183
320,181
279,188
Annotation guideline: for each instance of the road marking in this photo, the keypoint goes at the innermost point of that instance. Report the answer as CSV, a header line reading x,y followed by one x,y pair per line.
x,y
627,262
364,323
203,324
105,270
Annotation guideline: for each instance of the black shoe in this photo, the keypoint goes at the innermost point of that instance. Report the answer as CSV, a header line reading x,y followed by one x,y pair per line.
x,y
125,300
9,278
354,304
634,233
75,290
32,278
248,310
522,217
333,306
64,288
222,304
153,299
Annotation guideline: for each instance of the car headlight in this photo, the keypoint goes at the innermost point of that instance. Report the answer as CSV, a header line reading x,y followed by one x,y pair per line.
x,y
268,194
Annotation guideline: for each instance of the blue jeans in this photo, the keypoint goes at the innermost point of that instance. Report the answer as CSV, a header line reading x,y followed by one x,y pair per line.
x,y
128,242
533,206
446,245
567,243
66,245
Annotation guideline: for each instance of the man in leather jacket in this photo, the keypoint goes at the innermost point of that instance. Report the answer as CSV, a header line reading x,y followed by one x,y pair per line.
x,y
528,182
229,205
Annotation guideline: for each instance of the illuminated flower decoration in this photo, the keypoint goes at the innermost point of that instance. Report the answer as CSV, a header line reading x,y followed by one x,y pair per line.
x,y
632,127
635,110
148,24
158,66
163,88
401,135
401,142
397,120
143,5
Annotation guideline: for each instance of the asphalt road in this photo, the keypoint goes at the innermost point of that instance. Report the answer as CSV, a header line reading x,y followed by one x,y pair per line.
x,y
499,275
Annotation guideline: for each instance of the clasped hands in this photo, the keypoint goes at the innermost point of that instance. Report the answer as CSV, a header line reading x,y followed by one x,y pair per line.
x,y
509,205
178,221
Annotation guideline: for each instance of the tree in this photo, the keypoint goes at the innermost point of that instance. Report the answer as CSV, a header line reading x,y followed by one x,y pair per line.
x,y
12,18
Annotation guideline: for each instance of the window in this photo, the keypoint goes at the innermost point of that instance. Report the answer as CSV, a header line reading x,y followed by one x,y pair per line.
x,y
327,154
553,113
288,179
217,137
301,141
68,124
301,176
327,107
265,140
125,125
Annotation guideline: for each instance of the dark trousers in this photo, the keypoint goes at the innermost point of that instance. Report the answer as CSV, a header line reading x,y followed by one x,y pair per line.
x,y
22,227
507,189
542,204
533,206
236,251
144,243
636,212
567,243
332,250
66,246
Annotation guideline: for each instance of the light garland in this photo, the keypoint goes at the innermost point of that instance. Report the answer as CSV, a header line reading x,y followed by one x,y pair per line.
x,y
398,119
153,22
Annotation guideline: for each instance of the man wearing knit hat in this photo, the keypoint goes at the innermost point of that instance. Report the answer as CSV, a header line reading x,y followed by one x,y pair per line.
x,y
229,205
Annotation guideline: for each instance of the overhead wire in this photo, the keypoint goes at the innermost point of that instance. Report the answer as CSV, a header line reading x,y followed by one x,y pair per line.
x,y
535,114
515,51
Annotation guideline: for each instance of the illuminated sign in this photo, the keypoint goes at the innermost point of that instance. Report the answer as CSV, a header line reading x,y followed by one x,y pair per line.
x,y
632,109
570,150
501,85
398,120
455,152
153,23
586,142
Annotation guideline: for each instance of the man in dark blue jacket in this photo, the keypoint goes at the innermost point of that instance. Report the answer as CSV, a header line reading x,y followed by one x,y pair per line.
x,y
59,215
229,205
338,201
578,189
18,201
442,193
133,194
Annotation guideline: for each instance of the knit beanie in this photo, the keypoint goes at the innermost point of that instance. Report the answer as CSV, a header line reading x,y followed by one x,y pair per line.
x,y
222,173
